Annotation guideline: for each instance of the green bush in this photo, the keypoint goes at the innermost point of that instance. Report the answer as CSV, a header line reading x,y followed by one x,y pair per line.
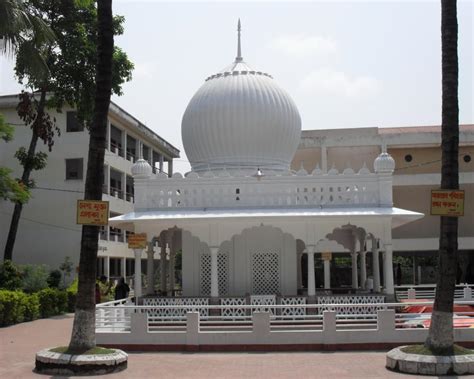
x,y
32,307
71,296
35,278
10,276
52,302
12,307
54,279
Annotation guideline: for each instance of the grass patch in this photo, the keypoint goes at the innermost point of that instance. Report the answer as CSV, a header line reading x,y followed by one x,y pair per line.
x,y
423,350
94,351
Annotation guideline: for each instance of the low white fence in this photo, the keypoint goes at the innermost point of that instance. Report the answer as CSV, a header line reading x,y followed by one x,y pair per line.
x,y
122,324
411,292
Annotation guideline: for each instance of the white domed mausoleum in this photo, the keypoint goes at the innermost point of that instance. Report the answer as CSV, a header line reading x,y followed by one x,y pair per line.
x,y
240,119
249,233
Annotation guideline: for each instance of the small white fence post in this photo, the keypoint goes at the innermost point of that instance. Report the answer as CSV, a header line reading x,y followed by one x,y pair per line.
x,y
139,325
386,321
329,326
467,293
192,328
261,325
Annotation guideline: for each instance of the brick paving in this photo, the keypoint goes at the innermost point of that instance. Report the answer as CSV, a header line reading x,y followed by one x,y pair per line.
x,y
19,343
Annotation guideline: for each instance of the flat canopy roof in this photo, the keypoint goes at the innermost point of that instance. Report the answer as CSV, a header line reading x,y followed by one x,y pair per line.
x,y
399,216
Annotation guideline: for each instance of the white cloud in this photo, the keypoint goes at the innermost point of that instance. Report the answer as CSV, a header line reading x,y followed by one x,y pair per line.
x,y
304,45
332,82
144,70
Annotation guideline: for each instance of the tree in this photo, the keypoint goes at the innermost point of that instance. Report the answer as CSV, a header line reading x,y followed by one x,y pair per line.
x,y
83,331
10,189
70,80
21,24
440,338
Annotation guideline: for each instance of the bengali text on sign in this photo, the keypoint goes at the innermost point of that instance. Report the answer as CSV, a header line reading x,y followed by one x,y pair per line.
x,y
137,241
447,203
92,212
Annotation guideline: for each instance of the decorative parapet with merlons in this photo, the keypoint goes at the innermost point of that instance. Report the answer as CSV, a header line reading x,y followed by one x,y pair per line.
x,y
222,189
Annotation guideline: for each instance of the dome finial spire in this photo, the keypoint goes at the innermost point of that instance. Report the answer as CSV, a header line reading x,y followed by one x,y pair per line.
x,y
239,50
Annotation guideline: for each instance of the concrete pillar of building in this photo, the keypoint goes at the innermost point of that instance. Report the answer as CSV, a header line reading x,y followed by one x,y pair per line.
x,y
375,267
311,277
163,264
324,159
388,263
150,275
214,272
363,269
171,268
327,274
124,267
161,162
170,167
355,283
299,274
138,272
107,267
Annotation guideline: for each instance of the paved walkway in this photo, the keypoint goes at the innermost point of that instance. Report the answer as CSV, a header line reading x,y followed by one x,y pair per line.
x,y
19,343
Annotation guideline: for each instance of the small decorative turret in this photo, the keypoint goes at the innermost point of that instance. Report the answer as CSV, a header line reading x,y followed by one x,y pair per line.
x,y
384,163
141,169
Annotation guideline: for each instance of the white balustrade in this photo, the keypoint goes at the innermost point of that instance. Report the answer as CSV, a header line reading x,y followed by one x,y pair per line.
x,y
359,190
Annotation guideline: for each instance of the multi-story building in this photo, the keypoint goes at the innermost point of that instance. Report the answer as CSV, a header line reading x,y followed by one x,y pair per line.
x,y
417,154
48,231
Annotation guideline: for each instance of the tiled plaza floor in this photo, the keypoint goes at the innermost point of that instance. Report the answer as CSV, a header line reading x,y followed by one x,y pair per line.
x,y
19,343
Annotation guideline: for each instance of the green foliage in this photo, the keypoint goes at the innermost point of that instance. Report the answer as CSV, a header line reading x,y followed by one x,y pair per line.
x,y
6,130
10,276
12,309
54,279
10,189
52,302
66,268
31,307
35,277
72,57
36,162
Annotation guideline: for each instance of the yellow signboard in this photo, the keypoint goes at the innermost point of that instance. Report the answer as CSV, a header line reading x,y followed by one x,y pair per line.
x,y
326,256
137,241
92,212
447,203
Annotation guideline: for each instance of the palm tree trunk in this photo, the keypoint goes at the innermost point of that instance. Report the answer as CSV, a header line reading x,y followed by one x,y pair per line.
x,y
25,178
83,332
440,336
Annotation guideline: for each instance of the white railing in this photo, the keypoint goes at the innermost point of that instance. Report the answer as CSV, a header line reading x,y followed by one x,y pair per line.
x,y
347,189
412,292
131,324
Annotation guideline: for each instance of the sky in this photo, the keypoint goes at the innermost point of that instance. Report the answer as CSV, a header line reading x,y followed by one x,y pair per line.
x,y
346,64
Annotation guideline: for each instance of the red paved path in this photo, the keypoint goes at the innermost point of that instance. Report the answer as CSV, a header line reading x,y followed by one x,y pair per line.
x,y
19,343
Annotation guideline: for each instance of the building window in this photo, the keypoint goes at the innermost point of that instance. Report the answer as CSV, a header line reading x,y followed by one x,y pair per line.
x,y
74,168
467,158
408,158
72,123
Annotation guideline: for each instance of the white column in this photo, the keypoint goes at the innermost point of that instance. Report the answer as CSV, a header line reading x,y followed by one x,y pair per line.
x,y
107,267
327,274
124,268
138,272
355,283
161,162
170,167
375,266
311,278
107,143
389,287
150,289
363,269
214,272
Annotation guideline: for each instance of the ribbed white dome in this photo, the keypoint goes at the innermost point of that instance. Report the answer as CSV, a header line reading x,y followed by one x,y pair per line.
x,y
240,119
